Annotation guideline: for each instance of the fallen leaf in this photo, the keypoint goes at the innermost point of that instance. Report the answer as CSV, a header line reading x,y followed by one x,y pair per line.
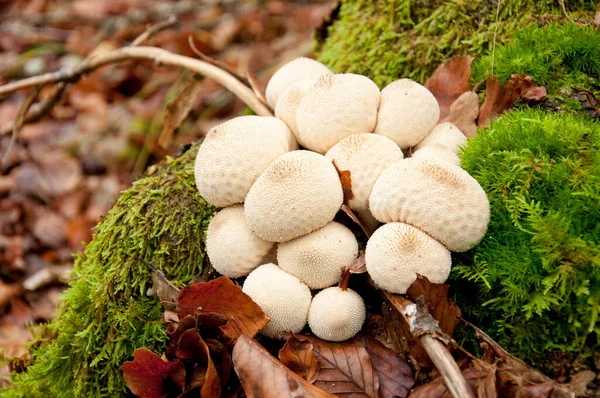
x,y
300,358
449,81
79,231
346,368
395,374
435,296
464,112
9,291
357,220
346,180
191,346
437,388
50,229
61,172
263,376
359,266
163,288
146,374
221,296
580,380
499,98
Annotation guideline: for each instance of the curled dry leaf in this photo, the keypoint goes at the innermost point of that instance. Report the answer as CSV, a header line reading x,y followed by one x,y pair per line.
x,y
221,296
437,388
346,368
346,180
263,376
394,373
357,220
299,357
147,374
464,112
449,81
191,346
359,266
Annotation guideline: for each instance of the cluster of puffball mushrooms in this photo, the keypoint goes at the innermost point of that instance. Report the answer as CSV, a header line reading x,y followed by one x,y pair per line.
x,y
278,201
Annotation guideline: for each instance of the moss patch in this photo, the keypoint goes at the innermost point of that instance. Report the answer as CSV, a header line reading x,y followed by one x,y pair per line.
x,y
536,271
391,39
106,315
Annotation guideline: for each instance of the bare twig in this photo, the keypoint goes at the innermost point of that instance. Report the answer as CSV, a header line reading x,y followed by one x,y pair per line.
x,y
564,9
217,63
591,97
495,35
255,86
31,97
154,29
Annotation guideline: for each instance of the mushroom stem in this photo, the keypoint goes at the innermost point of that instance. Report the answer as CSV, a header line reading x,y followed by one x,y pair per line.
x,y
345,278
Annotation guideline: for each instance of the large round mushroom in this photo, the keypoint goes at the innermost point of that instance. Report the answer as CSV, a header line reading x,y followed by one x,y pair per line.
x,y
297,194
335,107
437,197
445,134
233,155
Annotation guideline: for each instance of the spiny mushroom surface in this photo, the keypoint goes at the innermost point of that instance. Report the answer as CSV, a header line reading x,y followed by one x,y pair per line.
x,y
301,68
396,252
437,152
316,258
297,194
407,113
445,134
365,156
233,155
336,314
335,107
439,198
288,103
233,249
283,297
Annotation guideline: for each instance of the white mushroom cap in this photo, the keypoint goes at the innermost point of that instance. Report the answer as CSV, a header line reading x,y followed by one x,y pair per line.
x,y
407,113
335,107
298,69
336,314
297,194
233,155
445,134
289,101
233,249
283,298
396,252
365,156
439,198
437,152
317,258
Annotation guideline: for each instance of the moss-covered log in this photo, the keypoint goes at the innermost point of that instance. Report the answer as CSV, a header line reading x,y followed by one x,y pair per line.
x,y
161,219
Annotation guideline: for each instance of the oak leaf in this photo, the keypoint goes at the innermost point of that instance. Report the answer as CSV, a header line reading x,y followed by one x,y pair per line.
x,y
449,81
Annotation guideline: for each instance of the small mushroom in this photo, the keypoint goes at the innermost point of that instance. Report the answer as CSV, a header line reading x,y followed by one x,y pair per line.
x,y
365,156
396,252
407,113
233,249
316,258
437,197
437,151
335,107
298,69
445,134
288,103
233,155
298,193
283,297
336,314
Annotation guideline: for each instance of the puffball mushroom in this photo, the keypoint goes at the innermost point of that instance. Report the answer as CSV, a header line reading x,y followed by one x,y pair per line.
x,y
298,69
233,249
407,112
439,198
437,152
284,299
445,134
335,107
298,193
288,103
365,156
396,252
317,258
336,314
233,155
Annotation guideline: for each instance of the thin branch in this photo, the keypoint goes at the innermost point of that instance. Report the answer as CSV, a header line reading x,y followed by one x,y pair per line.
x,y
564,9
216,62
255,86
154,29
495,35
31,97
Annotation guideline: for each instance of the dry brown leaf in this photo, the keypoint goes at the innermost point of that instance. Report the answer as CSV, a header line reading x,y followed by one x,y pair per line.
x,y
499,98
464,112
221,296
346,368
263,376
437,388
147,373
191,346
300,358
357,220
346,180
395,374
449,81
359,266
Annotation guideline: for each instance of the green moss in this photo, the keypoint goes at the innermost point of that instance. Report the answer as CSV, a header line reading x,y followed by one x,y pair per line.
x,y
537,271
390,39
106,314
